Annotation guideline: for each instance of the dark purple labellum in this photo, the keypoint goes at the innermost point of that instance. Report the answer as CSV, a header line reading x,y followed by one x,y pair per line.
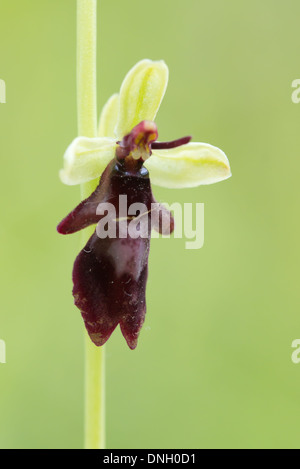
x,y
110,273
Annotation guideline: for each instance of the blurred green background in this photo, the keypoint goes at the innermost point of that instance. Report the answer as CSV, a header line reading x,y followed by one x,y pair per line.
x,y
213,367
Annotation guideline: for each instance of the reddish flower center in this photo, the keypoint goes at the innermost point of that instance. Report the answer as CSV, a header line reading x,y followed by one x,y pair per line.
x,y
138,144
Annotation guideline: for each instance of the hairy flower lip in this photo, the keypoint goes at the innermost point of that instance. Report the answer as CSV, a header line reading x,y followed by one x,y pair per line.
x,y
110,274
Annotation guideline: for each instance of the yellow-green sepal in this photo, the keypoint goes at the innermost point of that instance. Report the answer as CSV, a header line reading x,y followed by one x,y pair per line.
x,y
190,165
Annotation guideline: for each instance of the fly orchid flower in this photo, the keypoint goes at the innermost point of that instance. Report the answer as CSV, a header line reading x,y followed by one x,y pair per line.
x,y
110,273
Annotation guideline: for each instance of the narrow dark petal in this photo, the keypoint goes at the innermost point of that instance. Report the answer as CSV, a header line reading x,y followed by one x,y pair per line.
x,y
173,144
82,216
85,213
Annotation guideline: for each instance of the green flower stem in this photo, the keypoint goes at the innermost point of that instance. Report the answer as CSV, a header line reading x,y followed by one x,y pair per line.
x,y
86,71
94,396
87,126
